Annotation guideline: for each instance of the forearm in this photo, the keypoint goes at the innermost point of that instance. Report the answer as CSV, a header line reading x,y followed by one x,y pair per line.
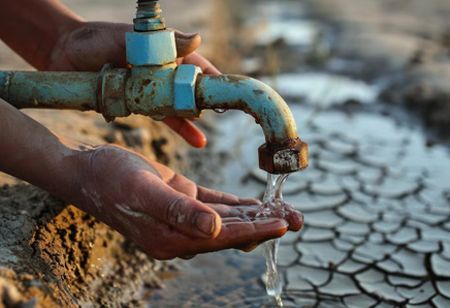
x,y
32,27
31,152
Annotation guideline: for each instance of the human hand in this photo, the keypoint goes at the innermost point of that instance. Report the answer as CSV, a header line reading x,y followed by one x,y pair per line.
x,y
165,213
90,45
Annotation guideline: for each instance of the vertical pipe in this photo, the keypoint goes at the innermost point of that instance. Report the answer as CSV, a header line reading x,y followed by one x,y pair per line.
x,y
148,16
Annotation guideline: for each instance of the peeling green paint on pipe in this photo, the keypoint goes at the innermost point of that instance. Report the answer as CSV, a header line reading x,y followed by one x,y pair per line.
x,y
251,96
150,91
54,90
283,151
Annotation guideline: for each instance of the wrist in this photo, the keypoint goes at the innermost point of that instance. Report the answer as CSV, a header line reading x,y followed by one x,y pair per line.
x,y
74,172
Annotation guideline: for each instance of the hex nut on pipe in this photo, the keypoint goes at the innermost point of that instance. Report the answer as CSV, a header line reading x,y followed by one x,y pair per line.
x,y
184,88
287,158
151,48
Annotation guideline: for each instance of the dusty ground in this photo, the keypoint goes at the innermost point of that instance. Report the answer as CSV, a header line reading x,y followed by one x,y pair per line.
x,y
52,254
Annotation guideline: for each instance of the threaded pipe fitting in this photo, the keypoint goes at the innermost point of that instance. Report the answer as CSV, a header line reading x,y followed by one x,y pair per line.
x,y
148,16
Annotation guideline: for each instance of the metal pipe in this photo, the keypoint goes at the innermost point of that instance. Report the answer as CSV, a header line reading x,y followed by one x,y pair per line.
x,y
251,96
156,87
284,151
165,91
54,90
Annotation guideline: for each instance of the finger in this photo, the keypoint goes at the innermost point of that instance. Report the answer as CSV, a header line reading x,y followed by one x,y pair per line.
x,y
183,185
226,211
213,196
250,247
183,213
238,234
248,211
235,234
115,54
250,201
228,220
205,65
295,220
187,130
187,43
188,257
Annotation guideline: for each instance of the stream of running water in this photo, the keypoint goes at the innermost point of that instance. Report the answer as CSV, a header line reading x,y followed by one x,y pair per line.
x,y
273,205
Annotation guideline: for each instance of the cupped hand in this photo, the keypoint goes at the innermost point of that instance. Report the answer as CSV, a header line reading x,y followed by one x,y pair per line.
x,y
90,45
165,213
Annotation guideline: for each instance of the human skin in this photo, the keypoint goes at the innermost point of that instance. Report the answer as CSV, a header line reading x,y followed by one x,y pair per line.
x,y
165,213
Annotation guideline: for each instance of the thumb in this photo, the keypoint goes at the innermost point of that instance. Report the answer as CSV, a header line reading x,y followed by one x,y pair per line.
x,y
187,215
187,43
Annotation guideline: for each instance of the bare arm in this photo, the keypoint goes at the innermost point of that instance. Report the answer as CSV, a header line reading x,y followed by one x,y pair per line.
x,y
31,152
33,27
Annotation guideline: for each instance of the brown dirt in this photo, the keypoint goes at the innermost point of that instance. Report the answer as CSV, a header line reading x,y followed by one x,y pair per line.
x,y
56,255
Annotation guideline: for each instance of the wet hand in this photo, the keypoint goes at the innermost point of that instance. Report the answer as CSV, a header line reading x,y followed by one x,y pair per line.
x,y
165,213
90,45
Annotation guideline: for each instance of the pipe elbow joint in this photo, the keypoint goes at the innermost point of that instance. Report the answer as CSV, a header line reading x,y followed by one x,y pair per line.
x,y
283,151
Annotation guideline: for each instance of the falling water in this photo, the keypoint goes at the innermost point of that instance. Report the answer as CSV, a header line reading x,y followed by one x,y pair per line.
x,y
273,205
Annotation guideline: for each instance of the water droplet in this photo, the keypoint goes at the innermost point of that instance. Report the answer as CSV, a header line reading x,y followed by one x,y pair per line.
x,y
219,110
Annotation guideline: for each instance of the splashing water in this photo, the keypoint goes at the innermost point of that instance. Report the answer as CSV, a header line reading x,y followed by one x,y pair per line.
x,y
273,205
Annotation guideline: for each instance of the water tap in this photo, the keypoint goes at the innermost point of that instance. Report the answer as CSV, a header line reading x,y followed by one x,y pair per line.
x,y
155,86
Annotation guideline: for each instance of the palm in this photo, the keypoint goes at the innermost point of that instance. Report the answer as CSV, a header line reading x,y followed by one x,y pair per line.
x,y
159,209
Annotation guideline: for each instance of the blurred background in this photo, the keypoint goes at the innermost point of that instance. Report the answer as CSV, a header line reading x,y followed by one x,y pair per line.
x,y
368,82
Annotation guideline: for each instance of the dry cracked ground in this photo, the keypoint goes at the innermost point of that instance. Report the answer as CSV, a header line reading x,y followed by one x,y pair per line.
x,y
376,196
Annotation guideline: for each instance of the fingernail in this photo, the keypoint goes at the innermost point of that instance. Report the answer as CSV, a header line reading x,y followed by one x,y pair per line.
x,y
206,223
201,143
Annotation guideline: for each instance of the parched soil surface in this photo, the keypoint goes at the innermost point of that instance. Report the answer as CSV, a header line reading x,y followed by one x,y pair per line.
x,y
55,255
376,196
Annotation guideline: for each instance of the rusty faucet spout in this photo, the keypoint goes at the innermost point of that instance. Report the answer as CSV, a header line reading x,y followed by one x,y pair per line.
x,y
283,151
